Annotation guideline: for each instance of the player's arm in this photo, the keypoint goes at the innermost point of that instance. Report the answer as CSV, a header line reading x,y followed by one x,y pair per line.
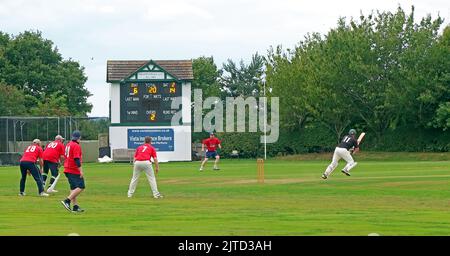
x,y
156,165
155,159
41,164
78,164
355,143
77,159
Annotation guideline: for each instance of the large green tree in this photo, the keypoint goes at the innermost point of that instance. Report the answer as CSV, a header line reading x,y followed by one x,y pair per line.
x,y
378,72
241,79
33,65
12,101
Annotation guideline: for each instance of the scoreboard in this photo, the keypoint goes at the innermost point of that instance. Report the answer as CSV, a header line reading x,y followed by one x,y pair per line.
x,y
148,102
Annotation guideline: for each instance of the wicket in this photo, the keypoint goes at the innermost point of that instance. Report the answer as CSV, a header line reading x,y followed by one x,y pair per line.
x,y
260,167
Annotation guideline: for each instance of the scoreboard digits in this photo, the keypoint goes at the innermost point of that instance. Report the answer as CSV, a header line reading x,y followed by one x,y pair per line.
x,y
148,102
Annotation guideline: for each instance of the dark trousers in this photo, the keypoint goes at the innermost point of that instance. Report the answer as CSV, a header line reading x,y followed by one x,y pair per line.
x,y
53,167
29,166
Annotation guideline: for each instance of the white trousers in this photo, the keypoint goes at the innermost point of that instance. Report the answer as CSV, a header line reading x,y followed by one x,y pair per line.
x,y
143,166
338,154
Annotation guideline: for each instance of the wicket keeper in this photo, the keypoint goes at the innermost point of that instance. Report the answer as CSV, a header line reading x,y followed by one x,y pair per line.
x,y
74,172
211,144
28,166
53,156
343,151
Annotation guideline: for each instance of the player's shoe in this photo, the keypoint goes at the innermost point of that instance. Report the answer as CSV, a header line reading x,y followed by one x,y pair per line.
x,y
22,194
345,172
77,208
216,168
158,196
66,204
324,176
49,190
44,194
201,169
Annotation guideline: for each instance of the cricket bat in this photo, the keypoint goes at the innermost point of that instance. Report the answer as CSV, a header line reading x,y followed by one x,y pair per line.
x,y
361,137
52,187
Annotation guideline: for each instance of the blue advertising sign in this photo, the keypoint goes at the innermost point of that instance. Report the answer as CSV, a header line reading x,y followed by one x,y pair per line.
x,y
162,139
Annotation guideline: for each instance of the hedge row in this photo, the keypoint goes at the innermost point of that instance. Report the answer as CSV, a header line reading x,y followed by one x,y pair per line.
x,y
320,139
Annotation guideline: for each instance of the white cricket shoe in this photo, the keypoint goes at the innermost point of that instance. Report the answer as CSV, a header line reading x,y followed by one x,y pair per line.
x,y
158,196
44,194
324,176
22,194
201,169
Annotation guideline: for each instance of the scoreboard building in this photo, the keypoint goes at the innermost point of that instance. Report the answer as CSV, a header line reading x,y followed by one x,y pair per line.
x,y
141,95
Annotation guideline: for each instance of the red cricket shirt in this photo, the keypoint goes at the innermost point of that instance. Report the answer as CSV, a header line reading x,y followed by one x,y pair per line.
x,y
144,152
53,151
211,144
31,154
73,150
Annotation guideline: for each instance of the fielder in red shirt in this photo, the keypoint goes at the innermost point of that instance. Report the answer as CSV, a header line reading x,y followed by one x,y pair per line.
x,y
28,166
142,163
73,172
53,156
211,144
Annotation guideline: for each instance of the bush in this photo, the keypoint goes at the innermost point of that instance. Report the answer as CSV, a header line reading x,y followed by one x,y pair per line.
x,y
318,139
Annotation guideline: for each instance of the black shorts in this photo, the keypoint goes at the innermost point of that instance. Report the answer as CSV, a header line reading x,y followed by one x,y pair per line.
x,y
211,154
75,181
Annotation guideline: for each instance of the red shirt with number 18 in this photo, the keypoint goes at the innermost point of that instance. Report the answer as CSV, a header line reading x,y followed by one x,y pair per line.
x,y
32,153
145,152
73,150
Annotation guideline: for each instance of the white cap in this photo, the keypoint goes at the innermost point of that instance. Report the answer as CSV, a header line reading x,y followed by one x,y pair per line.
x,y
37,141
59,137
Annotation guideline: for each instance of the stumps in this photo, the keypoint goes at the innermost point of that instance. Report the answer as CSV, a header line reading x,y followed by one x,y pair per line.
x,y
260,168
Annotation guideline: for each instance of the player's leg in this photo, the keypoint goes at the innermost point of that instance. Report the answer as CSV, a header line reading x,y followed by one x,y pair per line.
x,y
333,165
76,187
148,169
137,169
54,174
216,162
45,172
204,161
350,162
73,197
23,179
38,178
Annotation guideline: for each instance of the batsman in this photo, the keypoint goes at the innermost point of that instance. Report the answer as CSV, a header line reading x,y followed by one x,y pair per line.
x,y
343,150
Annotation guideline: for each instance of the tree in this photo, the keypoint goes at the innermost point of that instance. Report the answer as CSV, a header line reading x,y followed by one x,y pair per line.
x,y
11,101
243,80
206,75
34,65
378,72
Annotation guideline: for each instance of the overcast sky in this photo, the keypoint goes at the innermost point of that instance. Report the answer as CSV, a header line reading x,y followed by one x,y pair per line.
x,y
175,29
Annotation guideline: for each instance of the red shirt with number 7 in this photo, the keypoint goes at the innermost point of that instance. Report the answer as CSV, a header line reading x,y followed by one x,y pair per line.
x,y
144,152
73,150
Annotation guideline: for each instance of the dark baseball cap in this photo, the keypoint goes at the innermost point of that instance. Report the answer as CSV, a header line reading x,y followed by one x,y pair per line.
x,y
76,135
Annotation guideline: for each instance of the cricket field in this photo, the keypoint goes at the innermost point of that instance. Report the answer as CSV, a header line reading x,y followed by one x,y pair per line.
x,y
387,194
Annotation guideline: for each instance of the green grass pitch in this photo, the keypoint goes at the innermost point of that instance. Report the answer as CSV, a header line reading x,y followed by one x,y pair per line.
x,y
384,197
